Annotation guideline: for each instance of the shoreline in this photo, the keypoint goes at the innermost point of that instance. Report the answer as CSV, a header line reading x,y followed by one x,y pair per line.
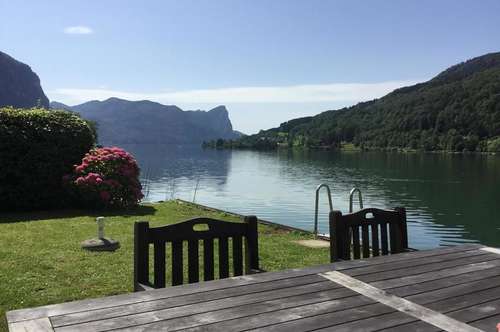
x,y
262,221
357,149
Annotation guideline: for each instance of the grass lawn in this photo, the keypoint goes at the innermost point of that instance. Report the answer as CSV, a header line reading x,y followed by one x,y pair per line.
x,y
41,261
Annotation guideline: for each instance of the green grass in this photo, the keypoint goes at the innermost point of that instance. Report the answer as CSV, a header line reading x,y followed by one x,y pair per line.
x,y
41,261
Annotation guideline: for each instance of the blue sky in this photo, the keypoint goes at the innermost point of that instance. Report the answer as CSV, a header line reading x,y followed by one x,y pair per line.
x,y
267,61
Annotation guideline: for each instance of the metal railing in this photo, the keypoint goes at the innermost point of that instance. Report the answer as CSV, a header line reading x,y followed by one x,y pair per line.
x,y
360,199
329,194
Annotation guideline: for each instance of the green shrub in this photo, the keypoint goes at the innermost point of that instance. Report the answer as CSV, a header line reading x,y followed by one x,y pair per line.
x,y
37,147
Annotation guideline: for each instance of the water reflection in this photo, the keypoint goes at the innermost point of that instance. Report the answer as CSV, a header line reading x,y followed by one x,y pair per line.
x,y
449,198
172,170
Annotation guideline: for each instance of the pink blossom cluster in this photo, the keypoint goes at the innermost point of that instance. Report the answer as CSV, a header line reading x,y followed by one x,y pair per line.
x,y
107,176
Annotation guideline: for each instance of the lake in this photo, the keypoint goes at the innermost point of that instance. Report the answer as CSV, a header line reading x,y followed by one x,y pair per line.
x,y
450,198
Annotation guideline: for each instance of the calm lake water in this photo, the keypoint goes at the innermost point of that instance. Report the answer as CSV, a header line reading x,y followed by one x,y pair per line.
x,y
450,199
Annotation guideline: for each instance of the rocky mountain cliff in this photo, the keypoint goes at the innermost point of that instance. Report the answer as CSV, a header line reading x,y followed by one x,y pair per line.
x,y
123,121
19,85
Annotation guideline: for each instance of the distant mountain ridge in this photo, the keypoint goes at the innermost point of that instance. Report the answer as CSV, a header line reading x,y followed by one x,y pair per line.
x,y
458,110
19,85
123,121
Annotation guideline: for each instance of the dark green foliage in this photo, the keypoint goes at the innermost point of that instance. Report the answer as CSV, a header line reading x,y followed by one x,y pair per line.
x,y
458,110
257,142
287,126
37,147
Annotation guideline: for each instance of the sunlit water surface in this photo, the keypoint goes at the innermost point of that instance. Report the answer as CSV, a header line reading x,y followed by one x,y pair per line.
x,y
450,199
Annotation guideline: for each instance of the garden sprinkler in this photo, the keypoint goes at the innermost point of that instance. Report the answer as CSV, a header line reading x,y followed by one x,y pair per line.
x,y
100,227
101,243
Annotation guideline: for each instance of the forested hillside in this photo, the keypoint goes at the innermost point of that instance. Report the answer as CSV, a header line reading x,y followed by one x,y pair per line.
x,y
458,110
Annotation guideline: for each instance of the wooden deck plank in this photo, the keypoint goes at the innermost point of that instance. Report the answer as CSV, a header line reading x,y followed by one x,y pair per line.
x,y
487,324
34,325
486,301
220,294
338,302
401,304
166,293
345,266
461,281
439,283
376,323
467,293
417,326
433,275
179,311
396,265
479,311
428,297
330,299
170,292
326,323
419,269
467,308
297,319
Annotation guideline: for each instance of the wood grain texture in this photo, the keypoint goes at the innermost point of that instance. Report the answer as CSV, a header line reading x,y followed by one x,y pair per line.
x,y
34,325
404,305
193,232
461,284
258,279
345,232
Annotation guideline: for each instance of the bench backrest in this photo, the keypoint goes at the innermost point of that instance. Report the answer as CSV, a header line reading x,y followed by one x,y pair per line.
x,y
194,232
368,232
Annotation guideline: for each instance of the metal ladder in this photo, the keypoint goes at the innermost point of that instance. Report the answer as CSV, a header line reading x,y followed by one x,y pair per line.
x,y
360,199
329,194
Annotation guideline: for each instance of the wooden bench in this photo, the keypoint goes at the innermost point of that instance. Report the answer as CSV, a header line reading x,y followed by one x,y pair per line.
x,y
194,231
382,232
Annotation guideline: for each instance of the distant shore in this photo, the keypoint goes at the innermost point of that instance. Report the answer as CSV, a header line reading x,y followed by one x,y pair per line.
x,y
345,147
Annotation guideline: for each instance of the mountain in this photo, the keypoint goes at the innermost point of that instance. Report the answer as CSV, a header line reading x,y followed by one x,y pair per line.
x,y
458,110
19,85
55,105
122,121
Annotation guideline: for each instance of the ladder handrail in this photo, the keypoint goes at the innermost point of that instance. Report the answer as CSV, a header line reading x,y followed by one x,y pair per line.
x,y
329,193
360,199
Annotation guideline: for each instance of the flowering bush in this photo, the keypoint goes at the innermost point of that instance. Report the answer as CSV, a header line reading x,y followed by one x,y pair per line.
x,y
107,177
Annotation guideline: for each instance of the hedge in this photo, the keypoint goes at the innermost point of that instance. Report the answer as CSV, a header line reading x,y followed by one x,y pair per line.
x,y
37,147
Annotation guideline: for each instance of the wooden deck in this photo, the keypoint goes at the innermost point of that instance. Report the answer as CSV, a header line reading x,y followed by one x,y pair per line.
x,y
453,289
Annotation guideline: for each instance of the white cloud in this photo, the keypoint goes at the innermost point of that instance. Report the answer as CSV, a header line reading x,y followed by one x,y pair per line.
x,y
250,108
78,30
310,93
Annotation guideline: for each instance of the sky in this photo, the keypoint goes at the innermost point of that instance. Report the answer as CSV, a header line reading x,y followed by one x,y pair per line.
x,y
268,61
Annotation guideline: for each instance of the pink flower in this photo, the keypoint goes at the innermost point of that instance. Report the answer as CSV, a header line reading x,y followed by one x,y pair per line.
x,y
109,174
93,178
